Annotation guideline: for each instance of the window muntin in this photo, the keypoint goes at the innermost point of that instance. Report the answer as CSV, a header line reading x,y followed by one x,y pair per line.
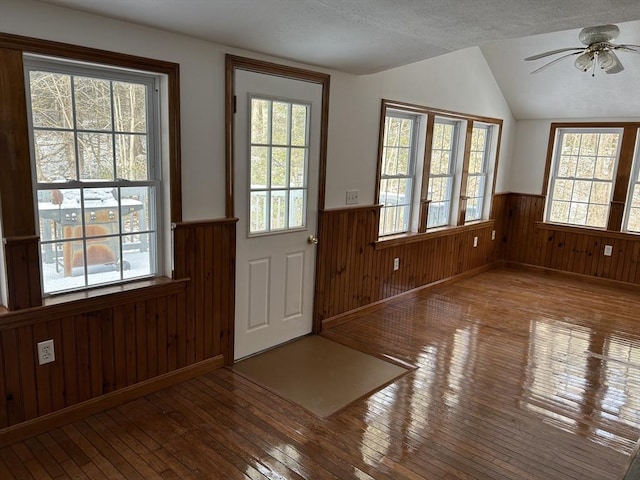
x,y
632,215
583,175
95,157
477,176
441,172
397,172
434,185
279,147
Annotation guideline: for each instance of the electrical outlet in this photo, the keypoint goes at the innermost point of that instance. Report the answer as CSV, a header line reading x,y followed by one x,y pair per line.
x,y
475,242
493,234
46,352
608,250
396,264
352,197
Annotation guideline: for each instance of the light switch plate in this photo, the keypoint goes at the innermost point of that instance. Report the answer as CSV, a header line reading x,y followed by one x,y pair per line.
x,y
352,197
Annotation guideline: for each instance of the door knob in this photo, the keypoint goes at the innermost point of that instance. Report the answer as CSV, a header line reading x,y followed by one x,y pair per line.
x,y
312,240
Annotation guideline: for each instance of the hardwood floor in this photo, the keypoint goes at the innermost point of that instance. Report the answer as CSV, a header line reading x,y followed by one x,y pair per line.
x,y
519,375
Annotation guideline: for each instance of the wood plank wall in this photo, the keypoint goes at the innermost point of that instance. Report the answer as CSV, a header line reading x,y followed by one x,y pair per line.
x,y
108,342
113,341
570,249
205,252
355,270
500,216
98,349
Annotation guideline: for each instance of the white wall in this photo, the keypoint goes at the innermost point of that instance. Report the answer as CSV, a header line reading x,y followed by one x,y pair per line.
x,y
460,81
530,152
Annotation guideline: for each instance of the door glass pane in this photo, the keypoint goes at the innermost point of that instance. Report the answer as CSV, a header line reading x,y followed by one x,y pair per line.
x,y
258,212
278,176
260,120
299,125
279,212
259,165
280,123
279,167
296,208
297,172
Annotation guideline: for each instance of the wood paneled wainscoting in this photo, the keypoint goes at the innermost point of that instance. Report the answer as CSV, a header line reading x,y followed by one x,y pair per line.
x,y
355,269
119,343
576,250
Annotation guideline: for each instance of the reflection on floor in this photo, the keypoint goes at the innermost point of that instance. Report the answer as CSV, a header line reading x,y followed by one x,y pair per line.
x,y
520,376
318,374
537,367
634,469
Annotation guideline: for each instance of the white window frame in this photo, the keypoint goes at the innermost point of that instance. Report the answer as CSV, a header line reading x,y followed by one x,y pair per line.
x,y
553,176
483,175
634,183
269,189
454,157
154,182
426,121
410,176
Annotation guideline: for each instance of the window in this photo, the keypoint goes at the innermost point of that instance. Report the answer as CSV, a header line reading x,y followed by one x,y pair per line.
x,y
583,176
397,173
632,217
96,172
441,172
423,160
593,176
477,177
279,158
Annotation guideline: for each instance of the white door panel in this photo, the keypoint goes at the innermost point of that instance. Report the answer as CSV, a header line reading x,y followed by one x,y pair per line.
x,y
274,269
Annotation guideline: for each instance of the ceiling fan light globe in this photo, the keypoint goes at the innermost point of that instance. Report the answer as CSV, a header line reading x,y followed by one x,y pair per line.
x,y
606,60
584,61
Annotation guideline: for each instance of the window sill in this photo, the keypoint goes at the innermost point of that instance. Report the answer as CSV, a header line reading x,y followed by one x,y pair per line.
x,y
594,232
99,298
408,238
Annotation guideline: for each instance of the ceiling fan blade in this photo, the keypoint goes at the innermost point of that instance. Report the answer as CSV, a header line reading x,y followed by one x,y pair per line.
x,y
617,67
627,48
547,65
552,52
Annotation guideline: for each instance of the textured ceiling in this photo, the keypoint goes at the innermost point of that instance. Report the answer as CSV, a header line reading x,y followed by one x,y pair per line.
x,y
368,36
360,36
562,91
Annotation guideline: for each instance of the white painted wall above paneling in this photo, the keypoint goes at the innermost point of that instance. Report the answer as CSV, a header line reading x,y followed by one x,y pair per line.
x,y
459,81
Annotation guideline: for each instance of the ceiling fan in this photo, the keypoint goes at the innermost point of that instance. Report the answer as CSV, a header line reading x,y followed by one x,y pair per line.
x,y
598,50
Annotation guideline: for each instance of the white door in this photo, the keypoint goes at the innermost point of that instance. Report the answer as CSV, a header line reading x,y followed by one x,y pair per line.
x,y
276,165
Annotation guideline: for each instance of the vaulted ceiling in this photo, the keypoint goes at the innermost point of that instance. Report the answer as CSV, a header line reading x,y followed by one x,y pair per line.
x,y
368,36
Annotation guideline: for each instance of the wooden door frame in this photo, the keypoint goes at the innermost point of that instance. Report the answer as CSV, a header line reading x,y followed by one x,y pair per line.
x,y
233,63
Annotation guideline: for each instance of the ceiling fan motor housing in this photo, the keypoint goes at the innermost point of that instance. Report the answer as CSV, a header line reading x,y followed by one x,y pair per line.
x,y
598,34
